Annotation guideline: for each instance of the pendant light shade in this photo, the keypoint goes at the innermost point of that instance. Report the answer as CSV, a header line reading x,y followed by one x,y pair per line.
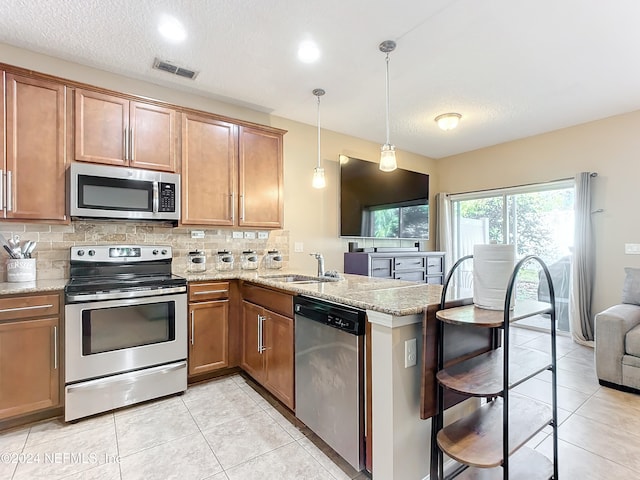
x,y
318,172
388,151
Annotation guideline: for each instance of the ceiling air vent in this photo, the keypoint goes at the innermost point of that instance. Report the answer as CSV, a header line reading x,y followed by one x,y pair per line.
x,y
176,70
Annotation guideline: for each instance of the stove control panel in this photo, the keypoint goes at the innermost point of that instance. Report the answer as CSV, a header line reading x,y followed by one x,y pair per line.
x,y
120,253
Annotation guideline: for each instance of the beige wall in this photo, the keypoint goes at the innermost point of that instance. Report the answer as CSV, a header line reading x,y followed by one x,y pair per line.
x,y
311,216
610,147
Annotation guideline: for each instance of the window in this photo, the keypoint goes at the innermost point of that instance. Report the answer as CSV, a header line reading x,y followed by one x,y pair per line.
x,y
537,219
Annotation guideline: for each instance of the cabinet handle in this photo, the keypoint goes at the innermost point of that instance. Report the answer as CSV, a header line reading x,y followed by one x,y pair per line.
x,y
126,143
132,144
193,332
233,207
55,347
241,207
9,191
206,292
261,347
18,309
1,189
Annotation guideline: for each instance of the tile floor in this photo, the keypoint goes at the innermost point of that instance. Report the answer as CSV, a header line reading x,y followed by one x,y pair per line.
x,y
225,430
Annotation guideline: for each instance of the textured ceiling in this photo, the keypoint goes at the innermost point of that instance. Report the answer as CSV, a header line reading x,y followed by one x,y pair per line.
x,y
512,68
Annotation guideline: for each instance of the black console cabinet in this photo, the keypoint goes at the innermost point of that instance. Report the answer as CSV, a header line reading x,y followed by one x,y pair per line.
x,y
427,267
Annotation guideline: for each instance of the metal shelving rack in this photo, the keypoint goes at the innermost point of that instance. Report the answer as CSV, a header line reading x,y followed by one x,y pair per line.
x,y
489,443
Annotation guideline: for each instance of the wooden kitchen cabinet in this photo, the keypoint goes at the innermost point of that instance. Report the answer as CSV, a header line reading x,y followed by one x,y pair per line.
x,y
29,354
208,326
36,149
113,130
260,184
268,341
231,174
209,159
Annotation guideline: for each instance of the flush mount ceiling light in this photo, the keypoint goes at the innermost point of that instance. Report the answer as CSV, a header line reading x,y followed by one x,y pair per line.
x,y
308,51
388,151
318,172
171,29
448,121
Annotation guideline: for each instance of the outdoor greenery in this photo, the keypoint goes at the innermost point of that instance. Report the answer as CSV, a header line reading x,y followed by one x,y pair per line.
x,y
401,222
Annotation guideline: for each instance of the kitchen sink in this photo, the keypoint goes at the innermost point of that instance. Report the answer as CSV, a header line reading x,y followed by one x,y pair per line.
x,y
299,279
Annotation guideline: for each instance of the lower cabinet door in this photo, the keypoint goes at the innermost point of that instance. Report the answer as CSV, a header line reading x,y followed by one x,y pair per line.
x,y
252,340
208,336
29,366
279,369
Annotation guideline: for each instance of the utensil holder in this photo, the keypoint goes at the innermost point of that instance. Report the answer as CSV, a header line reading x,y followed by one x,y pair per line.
x,y
21,269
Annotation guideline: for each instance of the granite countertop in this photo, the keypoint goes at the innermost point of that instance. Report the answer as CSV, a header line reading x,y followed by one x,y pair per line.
x,y
394,297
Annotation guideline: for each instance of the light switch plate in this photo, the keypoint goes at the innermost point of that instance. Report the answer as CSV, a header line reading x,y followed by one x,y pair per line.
x,y
238,235
263,235
250,235
298,247
632,248
197,233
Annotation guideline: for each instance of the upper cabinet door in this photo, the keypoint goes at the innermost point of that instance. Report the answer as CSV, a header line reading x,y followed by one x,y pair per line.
x,y
260,178
153,137
208,171
116,131
36,149
102,128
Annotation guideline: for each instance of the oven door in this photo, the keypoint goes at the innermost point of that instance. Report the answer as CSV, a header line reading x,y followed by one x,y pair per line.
x,y
114,336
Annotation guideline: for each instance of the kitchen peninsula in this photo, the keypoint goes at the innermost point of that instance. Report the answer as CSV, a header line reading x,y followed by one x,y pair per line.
x,y
395,312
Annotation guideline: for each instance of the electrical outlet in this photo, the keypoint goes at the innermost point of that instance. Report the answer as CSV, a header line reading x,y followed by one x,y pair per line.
x,y
250,235
632,248
238,235
298,247
197,233
263,235
410,353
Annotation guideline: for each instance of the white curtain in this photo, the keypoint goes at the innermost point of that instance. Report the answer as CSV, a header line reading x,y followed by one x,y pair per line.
x,y
444,235
580,319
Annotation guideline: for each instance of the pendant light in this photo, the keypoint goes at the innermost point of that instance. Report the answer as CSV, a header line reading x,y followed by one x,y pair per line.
x,y
388,151
318,172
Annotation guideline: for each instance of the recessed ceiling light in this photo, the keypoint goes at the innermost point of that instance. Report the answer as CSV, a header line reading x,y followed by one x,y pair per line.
x,y
308,51
171,29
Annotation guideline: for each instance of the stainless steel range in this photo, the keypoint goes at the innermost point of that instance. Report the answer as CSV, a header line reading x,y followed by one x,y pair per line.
x,y
125,328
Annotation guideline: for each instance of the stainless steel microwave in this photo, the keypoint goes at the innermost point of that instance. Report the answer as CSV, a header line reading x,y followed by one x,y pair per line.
x,y
102,191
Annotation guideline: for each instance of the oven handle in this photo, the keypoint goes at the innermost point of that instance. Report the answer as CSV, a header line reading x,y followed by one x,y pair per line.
x,y
106,382
82,297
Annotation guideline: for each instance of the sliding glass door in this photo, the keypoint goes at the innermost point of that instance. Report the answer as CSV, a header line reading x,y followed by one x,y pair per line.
x,y
537,219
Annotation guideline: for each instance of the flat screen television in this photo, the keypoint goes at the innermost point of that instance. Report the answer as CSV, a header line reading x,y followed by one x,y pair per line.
x,y
376,204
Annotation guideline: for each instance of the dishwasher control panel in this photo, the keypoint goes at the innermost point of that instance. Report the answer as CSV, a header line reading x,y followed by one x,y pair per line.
x,y
342,317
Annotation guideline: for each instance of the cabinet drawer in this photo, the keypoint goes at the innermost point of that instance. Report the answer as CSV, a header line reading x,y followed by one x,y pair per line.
x,y
434,265
381,267
32,306
408,263
435,279
278,302
206,291
411,276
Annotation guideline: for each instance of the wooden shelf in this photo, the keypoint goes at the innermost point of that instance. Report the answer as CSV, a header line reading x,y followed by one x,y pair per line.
x,y
480,317
482,376
476,440
525,464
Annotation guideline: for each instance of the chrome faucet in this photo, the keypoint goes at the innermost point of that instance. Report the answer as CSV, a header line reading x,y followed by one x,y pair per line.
x,y
320,259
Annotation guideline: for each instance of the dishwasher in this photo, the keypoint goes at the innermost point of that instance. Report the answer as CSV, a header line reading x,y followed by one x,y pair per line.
x,y
329,366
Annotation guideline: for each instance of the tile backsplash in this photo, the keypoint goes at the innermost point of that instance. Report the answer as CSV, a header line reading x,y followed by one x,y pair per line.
x,y
54,242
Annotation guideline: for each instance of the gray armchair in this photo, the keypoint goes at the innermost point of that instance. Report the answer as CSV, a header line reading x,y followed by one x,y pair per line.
x,y
617,334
